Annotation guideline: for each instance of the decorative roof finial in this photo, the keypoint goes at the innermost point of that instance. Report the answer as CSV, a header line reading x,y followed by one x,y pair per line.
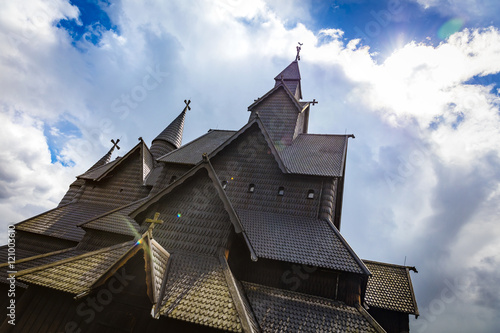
x,y
115,143
298,51
187,105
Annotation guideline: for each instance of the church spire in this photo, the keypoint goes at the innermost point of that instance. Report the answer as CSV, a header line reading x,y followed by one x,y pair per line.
x,y
171,137
290,76
106,158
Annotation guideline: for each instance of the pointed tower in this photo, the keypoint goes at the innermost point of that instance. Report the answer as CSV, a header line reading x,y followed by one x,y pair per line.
x,y
281,110
290,76
106,158
171,137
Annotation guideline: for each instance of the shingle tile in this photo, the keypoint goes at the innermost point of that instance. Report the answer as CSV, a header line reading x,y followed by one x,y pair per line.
x,y
280,310
390,288
300,240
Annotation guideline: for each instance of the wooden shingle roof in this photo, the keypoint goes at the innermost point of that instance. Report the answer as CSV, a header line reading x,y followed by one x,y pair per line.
x,y
316,154
170,137
196,291
197,197
76,274
279,310
299,239
99,173
201,289
390,288
116,221
191,152
61,222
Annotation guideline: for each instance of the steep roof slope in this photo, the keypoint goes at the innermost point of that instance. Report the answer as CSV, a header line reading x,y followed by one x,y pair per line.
x,y
280,310
390,288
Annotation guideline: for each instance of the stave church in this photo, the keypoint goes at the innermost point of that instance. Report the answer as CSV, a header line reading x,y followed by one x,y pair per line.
x,y
235,231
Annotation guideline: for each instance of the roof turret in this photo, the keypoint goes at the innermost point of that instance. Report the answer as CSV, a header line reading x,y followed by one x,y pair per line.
x,y
171,137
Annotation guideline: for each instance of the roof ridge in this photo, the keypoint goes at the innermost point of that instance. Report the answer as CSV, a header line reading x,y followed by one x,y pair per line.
x,y
206,165
324,134
117,209
385,263
107,157
263,130
370,319
38,256
246,318
275,88
118,161
349,248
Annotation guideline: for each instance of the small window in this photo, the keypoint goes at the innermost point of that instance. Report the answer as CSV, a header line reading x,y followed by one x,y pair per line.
x,y
224,184
172,179
281,191
310,194
251,188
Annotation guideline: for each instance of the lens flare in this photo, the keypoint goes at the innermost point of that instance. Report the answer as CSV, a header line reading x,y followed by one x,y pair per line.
x,y
450,27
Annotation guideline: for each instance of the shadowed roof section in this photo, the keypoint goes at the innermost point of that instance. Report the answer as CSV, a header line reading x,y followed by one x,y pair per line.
x,y
390,288
280,310
116,221
191,152
300,240
100,172
62,221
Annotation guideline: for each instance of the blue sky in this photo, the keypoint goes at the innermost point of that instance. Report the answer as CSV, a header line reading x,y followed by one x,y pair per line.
x,y
417,82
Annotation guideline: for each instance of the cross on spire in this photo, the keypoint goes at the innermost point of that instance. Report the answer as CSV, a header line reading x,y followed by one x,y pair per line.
x,y
314,101
115,143
187,104
298,51
153,221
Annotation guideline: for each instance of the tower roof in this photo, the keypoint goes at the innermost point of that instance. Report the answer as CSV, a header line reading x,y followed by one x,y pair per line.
x,y
171,137
291,78
291,72
173,132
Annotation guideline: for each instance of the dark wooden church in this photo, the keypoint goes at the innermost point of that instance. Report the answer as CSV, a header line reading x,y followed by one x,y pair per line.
x,y
234,231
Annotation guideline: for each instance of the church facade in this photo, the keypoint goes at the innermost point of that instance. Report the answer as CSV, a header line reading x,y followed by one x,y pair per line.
x,y
235,231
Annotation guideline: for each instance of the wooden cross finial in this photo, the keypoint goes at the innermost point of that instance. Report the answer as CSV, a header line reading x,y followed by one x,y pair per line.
x,y
154,221
187,104
115,143
314,101
298,51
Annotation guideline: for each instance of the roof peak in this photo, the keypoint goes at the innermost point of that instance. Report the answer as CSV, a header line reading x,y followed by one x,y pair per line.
x,y
290,77
107,157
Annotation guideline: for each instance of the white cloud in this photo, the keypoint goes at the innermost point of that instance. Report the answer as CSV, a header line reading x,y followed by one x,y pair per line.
x,y
27,175
426,191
